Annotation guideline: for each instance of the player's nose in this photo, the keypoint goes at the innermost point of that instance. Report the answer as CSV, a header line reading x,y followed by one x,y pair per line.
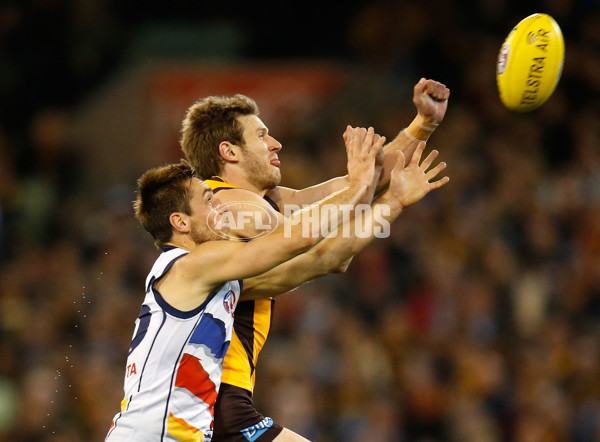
x,y
274,145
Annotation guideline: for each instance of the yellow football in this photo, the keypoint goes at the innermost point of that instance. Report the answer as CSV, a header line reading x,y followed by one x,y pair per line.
x,y
530,63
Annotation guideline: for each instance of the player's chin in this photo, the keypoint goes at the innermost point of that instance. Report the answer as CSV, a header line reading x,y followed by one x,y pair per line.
x,y
275,177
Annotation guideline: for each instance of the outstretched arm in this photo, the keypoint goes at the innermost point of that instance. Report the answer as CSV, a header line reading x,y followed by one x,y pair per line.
x,y
219,261
408,185
431,100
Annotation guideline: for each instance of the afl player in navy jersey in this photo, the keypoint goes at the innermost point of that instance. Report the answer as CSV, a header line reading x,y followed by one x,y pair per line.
x,y
184,328
231,148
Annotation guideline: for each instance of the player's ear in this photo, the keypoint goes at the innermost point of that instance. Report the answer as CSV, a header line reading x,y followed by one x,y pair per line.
x,y
180,222
229,152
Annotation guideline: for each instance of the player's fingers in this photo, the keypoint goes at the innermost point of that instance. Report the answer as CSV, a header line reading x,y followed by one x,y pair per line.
x,y
416,157
346,133
429,159
378,143
439,183
441,92
356,137
436,90
368,141
418,89
361,135
431,174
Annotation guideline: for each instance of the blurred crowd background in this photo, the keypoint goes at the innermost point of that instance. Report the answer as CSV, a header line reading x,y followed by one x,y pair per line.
x,y
477,320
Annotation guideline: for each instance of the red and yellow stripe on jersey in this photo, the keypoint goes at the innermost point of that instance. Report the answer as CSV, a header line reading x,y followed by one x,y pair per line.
x,y
251,326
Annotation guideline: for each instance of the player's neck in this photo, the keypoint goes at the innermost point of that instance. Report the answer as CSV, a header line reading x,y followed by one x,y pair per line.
x,y
176,244
240,179
181,241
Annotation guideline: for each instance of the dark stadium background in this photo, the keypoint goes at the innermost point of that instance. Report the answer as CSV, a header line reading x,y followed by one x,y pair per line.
x,y
477,320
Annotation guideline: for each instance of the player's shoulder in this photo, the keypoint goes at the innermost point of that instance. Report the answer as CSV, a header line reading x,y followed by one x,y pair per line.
x,y
238,194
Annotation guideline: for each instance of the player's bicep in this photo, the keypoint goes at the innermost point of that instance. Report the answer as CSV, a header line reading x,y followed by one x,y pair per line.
x,y
215,262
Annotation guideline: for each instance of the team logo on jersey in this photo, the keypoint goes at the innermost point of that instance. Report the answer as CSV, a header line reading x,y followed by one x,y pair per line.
x,y
229,301
255,431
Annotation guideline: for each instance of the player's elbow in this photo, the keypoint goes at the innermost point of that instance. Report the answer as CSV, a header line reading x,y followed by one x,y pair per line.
x,y
309,241
325,261
342,268
303,242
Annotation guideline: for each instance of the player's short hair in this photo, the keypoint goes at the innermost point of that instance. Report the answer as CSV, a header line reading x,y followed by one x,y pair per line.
x,y
160,192
209,122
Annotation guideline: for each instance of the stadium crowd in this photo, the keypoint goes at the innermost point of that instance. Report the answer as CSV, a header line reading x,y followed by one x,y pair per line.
x,y
477,320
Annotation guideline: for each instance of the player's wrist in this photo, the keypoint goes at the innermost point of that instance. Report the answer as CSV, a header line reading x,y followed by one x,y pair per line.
x,y
361,178
392,201
420,129
364,176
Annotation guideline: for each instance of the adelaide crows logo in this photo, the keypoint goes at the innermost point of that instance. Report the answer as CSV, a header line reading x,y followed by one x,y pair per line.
x,y
229,301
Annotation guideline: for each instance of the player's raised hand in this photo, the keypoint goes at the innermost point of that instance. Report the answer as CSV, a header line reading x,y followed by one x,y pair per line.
x,y
431,99
412,182
363,147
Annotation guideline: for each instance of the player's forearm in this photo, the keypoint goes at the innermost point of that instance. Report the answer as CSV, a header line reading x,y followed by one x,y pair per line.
x,y
322,217
309,195
299,198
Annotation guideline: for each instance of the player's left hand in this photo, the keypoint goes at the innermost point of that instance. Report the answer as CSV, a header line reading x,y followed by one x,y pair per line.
x,y
431,99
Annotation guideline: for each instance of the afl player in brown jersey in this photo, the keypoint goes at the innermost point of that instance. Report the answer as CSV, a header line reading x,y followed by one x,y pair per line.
x,y
231,148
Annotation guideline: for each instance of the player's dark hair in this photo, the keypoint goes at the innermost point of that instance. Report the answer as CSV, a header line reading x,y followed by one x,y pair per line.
x,y
160,192
209,122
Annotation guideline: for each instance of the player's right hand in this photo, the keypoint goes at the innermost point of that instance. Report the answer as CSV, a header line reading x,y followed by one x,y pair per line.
x,y
431,99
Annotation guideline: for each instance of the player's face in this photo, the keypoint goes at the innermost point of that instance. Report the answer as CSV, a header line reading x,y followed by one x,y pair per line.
x,y
259,154
205,211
